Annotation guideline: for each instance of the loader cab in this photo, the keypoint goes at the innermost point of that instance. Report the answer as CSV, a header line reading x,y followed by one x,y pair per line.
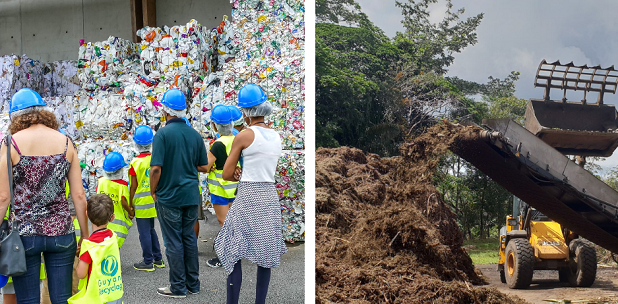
x,y
526,210
519,220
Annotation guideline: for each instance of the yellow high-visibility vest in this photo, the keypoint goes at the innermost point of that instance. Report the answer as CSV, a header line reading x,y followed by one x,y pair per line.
x,y
216,184
104,284
143,203
121,223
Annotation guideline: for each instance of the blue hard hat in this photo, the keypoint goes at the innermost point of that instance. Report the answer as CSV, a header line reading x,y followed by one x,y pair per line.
x,y
143,135
236,114
222,115
25,98
174,99
113,162
251,95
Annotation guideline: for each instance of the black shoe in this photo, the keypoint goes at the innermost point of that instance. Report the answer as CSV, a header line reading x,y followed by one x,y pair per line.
x,y
214,263
159,264
143,266
166,292
191,292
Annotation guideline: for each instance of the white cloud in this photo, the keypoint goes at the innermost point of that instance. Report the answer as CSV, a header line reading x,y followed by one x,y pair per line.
x,y
437,11
610,162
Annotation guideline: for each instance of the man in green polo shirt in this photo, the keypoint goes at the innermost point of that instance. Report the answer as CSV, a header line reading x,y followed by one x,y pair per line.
x,y
178,154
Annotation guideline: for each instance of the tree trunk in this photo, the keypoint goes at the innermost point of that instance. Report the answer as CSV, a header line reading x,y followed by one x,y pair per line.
x,y
482,226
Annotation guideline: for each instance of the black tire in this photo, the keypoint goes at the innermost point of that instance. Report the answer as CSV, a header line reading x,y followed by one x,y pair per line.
x,y
563,275
519,266
582,264
502,276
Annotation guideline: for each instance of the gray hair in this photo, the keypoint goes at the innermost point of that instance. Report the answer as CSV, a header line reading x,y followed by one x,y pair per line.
x,y
263,109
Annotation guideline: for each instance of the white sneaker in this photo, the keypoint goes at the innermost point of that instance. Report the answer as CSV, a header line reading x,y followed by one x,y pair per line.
x,y
166,292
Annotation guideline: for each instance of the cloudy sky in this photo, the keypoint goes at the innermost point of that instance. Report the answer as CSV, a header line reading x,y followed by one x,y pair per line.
x,y
517,35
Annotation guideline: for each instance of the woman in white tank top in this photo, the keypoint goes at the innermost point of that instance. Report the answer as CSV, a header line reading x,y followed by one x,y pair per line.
x,y
252,227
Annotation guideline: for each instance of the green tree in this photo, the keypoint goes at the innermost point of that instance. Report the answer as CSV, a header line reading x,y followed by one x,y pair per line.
x,y
431,46
336,11
499,94
357,101
611,178
429,50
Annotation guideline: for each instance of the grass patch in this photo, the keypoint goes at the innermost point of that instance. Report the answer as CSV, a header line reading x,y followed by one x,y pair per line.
x,y
483,251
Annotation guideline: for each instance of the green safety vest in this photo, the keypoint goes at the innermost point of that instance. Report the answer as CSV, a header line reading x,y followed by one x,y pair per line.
x,y
104,284
216,184
143,203
121,223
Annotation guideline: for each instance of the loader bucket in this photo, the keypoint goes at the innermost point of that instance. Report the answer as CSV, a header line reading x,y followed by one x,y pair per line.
x,y
574,128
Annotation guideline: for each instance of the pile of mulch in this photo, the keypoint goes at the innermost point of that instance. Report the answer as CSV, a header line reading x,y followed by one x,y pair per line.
x,y
383,232
605,256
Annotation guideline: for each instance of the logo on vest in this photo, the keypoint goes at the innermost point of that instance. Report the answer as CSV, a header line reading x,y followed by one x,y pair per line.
x,y
109,266
148,172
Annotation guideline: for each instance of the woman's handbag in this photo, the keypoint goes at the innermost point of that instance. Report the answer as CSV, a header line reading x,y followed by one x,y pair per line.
x,y
12,254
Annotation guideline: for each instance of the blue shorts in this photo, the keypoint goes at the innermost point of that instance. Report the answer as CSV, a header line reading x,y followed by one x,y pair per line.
x,y
220,200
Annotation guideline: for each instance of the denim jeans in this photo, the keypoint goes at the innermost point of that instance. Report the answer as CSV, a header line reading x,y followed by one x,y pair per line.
x,y
59,253
180,246
149,240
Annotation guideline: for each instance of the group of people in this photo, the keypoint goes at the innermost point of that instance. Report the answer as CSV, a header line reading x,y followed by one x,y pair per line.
x,y
163,184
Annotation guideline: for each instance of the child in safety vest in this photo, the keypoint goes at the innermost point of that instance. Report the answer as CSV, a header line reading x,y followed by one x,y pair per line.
x,y
118,190
99,268
142,202
222,192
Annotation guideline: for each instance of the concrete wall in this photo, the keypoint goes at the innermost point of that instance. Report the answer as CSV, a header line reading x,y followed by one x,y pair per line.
x,y
50,30
207,12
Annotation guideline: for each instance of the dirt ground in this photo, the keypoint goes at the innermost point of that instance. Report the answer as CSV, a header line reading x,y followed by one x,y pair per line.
x,y
545,286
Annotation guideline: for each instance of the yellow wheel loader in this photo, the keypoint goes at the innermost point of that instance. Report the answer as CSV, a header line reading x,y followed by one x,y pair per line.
x,y
532,241
535,163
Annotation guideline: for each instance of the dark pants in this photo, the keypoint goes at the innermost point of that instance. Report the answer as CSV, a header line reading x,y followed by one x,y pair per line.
x,y
59,253
149,240
180,246
234,281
